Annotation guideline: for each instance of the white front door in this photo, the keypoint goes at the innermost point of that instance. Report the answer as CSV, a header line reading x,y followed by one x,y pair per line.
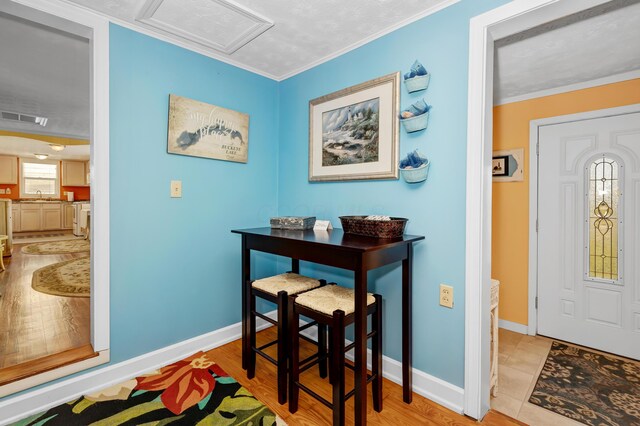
x,y
589,233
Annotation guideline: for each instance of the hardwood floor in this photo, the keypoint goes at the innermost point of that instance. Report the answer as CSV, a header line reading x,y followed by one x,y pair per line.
x,y
311,412
40,365
34,324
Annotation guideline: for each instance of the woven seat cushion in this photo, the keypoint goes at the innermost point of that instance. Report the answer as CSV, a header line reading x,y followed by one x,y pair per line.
x,y
331,298
289,282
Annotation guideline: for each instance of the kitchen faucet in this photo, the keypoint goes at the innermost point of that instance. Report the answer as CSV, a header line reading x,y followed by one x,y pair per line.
x,y
39,194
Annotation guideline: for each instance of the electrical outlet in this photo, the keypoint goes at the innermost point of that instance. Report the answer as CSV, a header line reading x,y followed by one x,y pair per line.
x,y
2,191
446,296
176,189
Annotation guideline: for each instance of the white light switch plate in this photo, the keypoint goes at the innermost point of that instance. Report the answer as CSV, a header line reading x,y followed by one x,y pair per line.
x,y
176,189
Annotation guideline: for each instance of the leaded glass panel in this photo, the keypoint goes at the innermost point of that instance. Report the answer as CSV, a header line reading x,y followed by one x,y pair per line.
x,y
603,212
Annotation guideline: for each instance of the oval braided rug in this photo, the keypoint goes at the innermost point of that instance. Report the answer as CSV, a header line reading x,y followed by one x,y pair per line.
x,y
71,278
58,247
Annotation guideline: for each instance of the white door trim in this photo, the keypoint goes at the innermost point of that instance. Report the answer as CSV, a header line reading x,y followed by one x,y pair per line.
x,y
534,127
99,181
512,18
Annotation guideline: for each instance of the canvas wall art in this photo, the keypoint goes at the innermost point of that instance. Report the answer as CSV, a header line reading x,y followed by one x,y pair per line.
x,y
199,129
353,133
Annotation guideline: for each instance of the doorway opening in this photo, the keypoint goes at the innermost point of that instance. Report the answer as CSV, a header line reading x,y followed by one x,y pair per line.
x,y
520,23
53,194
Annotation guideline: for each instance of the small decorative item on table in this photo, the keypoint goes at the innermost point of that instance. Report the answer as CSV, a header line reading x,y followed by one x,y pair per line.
x,y
374,226
417,79
416,117
293,222
414,168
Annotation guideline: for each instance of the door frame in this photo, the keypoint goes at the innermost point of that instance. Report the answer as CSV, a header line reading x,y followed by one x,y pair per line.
x,y
99,172
534,128
511,18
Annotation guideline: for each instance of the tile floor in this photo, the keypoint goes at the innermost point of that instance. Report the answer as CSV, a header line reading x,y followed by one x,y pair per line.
x,y
520,360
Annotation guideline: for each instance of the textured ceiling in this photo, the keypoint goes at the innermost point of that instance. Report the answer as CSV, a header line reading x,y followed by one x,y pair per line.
x,y
44,72
589,45
304,32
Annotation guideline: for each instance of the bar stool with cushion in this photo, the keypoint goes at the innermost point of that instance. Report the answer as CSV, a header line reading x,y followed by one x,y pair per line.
x,y
276,289
333,306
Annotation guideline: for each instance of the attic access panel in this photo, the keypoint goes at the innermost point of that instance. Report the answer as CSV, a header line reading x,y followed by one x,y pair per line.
x,y
221,25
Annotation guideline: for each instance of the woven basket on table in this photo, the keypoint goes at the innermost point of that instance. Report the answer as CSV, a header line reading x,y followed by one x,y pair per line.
x,y
358,225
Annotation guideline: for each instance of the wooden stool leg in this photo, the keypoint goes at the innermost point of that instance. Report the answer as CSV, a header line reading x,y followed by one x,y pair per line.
x,y
294,354
282,346
376,348
337,367
251,356
322,350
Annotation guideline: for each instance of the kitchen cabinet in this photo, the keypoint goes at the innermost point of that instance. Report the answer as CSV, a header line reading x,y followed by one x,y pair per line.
x,y
67,216
15,215
51,216
42,216
8,169
30,217
74,173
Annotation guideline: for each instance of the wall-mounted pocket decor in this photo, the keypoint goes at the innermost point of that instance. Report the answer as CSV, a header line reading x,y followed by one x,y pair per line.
x,y
414,168
417,79
508,165
416,117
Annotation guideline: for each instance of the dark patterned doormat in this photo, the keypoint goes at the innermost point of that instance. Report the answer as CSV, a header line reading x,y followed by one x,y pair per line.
x,y
591,388
194,391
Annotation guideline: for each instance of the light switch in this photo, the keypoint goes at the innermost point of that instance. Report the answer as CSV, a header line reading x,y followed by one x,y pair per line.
x,y
176,189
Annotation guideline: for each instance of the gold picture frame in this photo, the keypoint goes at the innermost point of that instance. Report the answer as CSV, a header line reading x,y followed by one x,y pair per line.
x,y
354,132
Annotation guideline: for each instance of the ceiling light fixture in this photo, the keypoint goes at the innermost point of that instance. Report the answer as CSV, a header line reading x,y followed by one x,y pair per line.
x,y
56,147
41,156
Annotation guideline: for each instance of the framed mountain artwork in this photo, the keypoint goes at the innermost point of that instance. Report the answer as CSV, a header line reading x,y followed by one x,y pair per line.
x,y
353,133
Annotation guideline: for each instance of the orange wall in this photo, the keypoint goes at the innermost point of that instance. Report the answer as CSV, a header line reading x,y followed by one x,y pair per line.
x,y
80,193
510,237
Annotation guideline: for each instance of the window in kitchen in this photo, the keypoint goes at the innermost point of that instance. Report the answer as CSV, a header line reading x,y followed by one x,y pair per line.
x,y
39,178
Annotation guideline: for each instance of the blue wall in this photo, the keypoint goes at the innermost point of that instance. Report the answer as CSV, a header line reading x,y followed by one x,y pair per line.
x,y
435,208
175,266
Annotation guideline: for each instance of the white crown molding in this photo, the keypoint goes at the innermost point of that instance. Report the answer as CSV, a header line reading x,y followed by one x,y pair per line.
x,y
260,25
27,404
369,39
616,78
513,326
177,41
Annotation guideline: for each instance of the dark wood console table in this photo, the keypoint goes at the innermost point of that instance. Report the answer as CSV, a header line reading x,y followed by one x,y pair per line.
x,y
346,251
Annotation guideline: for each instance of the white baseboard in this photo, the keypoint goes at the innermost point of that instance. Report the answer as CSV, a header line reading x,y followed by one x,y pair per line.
x,y
431,387
513,326
27,404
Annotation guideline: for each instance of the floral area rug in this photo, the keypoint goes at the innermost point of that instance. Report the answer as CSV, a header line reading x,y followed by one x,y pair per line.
x,y
71,278
194,391
589,387
58,247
